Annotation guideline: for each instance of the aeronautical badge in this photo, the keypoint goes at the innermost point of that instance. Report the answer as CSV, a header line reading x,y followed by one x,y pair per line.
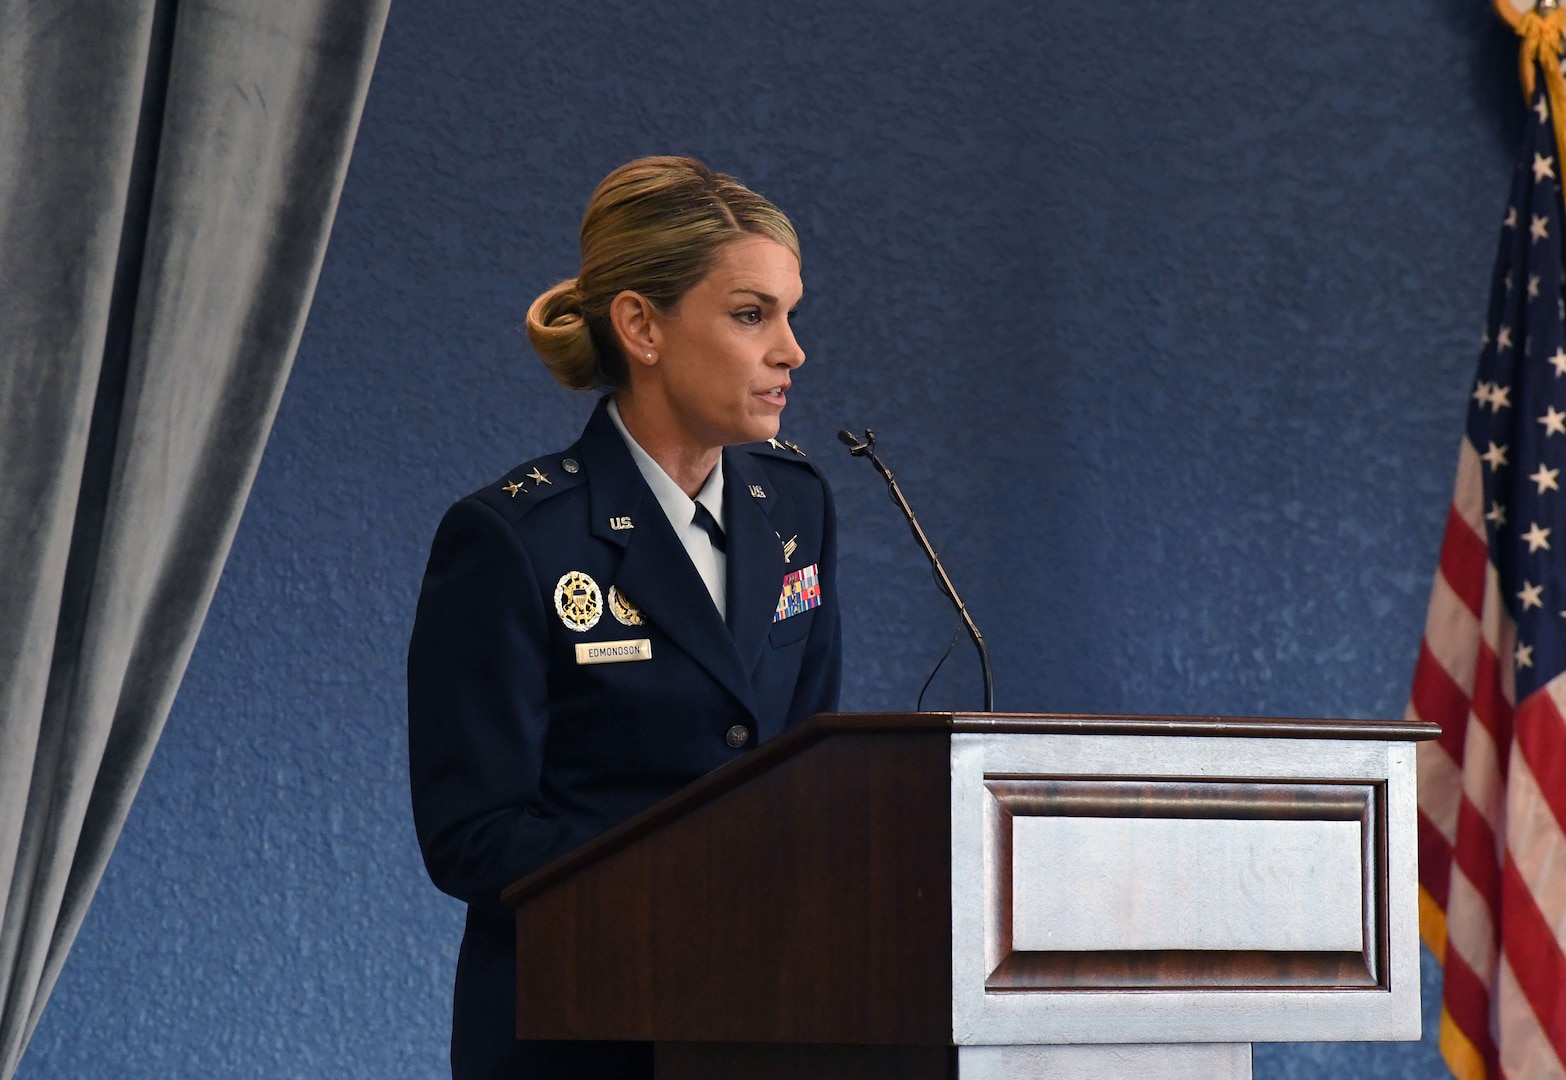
x,y
578,601
801,592
625,612
784,445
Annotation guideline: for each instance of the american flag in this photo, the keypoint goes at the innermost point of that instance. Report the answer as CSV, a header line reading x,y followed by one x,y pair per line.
x,y
1492,668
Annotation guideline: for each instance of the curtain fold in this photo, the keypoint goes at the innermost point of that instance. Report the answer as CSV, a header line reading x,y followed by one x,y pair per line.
x,y
168,176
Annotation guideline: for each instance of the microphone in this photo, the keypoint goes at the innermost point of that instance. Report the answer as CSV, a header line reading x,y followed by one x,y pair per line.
x,y
865,447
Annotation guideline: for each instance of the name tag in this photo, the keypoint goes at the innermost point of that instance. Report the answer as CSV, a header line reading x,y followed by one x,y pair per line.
x,y
614,652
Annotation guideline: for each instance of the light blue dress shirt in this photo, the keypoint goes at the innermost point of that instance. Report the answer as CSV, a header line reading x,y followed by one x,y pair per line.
x,y
680,509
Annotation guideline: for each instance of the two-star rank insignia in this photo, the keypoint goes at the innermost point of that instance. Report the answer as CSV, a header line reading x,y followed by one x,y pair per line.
x,y
538,477
512,488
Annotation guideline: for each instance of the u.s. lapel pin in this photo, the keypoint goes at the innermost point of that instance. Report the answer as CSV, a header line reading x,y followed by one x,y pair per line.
x,y
756,492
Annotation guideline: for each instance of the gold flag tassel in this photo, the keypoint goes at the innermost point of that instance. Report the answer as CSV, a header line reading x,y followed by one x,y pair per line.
x,y
1542,31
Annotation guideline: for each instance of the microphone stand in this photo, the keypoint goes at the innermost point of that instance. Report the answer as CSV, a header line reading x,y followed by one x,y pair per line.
x,y
865,448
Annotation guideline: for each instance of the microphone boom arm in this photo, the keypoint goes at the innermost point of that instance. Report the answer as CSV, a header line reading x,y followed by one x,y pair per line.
x,y
865,448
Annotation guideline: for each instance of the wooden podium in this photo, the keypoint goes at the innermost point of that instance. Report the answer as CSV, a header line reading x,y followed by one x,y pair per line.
x,y
984,896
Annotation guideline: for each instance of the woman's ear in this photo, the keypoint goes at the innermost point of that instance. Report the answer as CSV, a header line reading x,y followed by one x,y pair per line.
x,y
636,326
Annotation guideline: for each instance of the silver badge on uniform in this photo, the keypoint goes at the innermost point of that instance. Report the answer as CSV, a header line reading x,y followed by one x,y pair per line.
x,y
578,601
625,612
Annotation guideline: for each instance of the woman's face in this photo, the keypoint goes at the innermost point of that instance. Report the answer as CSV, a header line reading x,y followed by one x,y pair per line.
x,y
726,352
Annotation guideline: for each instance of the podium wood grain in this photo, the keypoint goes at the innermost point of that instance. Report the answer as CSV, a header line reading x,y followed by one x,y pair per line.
x,y
809,905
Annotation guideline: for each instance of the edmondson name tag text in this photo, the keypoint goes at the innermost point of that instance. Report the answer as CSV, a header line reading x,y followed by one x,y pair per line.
x,y
614,652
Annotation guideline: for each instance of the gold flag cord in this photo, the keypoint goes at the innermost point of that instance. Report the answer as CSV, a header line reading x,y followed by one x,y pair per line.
x,y
1542,31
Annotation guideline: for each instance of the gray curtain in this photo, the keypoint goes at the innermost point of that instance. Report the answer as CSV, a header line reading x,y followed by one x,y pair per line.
x,y
168,175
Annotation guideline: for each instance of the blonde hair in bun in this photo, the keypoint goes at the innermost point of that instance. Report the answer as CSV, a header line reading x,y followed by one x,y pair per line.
x,y
558,331
654,227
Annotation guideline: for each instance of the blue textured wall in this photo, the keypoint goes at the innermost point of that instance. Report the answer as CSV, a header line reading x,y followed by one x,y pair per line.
x,y
1164,314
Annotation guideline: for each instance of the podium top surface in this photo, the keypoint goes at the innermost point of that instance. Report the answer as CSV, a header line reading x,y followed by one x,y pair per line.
x,y
826,725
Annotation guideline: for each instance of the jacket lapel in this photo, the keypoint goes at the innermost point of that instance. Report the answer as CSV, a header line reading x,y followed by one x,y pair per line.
x,y
755,554
655,573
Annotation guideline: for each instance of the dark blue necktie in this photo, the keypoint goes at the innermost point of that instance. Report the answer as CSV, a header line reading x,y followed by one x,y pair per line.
x,y
709,525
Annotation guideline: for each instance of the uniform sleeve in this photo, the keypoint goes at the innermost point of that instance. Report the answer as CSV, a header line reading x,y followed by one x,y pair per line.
x,y
478,712
821,671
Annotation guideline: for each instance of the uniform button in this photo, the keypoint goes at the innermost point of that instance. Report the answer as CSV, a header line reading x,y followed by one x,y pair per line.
x,y
737,736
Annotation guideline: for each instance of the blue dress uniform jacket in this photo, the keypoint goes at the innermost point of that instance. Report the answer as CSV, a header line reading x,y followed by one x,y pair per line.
x,y
518,753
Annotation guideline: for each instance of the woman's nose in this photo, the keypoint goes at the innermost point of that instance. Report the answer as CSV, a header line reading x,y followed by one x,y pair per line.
x,y
792,354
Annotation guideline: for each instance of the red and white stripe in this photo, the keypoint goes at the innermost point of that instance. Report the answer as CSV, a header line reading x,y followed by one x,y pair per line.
x,y
1492,803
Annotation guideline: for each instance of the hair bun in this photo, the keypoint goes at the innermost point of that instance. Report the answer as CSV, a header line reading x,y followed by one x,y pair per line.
x,y
565,302
557,327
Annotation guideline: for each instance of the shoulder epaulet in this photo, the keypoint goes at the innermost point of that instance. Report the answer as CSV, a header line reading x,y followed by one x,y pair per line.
x,y
530,483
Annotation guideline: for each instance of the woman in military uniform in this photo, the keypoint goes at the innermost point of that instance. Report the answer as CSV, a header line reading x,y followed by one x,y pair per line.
x,y
605,624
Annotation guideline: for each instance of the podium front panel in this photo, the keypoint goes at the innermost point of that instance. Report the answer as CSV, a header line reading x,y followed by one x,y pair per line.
x,y
1242,884
1118,889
